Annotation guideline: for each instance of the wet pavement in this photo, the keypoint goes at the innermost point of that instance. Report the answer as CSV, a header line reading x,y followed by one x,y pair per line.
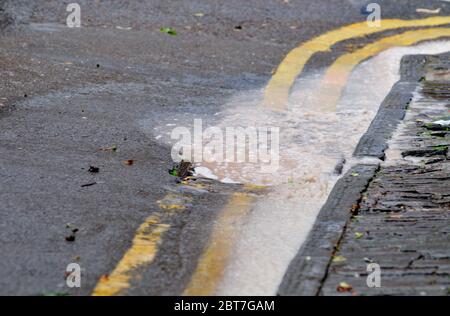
x,y
68,96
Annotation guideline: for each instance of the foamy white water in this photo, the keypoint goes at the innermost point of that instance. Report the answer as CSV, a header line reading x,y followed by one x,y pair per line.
x,y
312,143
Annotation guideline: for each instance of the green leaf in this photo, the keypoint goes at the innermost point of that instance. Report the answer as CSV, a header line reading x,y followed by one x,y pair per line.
x,y
358,235
168,30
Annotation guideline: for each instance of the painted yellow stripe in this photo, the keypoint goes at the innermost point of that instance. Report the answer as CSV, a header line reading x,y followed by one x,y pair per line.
x,y
277,90
212,263
336,77
142,252
144,247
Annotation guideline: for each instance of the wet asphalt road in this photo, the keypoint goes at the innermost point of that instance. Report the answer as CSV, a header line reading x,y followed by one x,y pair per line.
x,y
65,93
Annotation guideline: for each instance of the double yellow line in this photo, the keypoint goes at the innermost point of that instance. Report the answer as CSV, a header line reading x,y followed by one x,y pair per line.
x,y
277,91
212,263
337,75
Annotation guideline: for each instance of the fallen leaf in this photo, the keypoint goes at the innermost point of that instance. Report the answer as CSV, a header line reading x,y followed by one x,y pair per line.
x,y
358,235
199,14
128,162
112,148
355,174
344,287
104,277
168,30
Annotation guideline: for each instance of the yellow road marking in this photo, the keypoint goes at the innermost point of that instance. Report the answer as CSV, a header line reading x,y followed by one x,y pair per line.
x,y
213,261
337,74
277,90
143,249
142,252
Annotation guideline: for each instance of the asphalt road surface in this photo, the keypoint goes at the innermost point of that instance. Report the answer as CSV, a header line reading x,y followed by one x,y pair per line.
x,y
67,95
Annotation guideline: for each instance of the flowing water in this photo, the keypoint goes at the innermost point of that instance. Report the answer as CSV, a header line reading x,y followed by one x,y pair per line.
x,y
311,143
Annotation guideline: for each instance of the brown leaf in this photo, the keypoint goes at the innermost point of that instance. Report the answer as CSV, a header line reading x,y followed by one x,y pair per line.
x,y
128,162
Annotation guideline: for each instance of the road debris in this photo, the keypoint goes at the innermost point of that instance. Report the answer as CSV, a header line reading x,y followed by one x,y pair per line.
x,y
128,162
93,169
205,172
428,11
182,170
88,184
70,238
168,30
74,230
344,287
112,148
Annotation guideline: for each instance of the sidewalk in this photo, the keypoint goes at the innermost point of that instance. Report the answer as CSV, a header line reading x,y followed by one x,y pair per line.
x,y
400,218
